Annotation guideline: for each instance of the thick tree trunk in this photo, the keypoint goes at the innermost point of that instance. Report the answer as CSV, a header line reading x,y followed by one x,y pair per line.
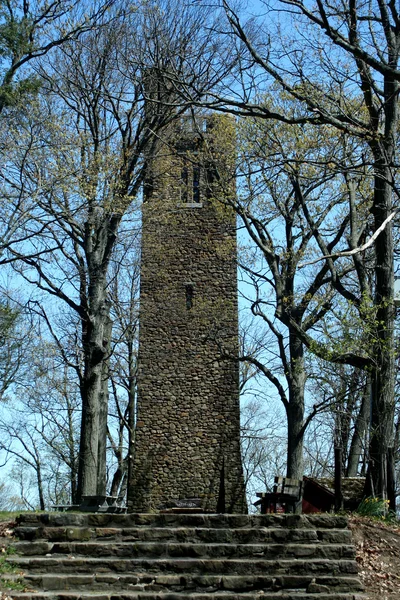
x,y
95,351
89,442
383,403
295,409
382,397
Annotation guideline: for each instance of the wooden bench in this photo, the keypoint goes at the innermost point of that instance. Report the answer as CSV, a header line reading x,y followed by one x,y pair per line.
x,y
287,492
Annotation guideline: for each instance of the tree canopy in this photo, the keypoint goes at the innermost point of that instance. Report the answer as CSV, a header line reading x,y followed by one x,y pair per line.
x,y
86,91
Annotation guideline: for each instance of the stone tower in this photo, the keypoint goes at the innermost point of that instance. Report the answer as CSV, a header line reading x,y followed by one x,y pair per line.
x,y
187,435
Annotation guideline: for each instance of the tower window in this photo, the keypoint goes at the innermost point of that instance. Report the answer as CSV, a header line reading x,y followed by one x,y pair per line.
x,y
184,184
189,293
148,188
196,184
190,181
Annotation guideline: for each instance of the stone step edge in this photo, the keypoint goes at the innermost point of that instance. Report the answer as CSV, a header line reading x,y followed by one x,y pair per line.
x,y
160,559
215,520
189,529
195,582
185,595
253,566
215,578
320,544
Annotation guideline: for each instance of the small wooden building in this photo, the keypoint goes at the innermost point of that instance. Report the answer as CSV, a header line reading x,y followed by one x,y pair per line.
x,y
319,494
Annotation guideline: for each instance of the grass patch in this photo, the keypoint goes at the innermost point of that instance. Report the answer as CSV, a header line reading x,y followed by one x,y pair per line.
x,y
14,583
9,516
17,584
12,515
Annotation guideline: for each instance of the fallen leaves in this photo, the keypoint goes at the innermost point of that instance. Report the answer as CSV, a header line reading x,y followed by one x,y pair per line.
x,y
7,529
378,556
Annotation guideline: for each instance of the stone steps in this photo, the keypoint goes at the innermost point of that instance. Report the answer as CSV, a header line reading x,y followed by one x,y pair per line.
x,y
182,520
66,556
150,582
186,550
179,596
186,535
183,565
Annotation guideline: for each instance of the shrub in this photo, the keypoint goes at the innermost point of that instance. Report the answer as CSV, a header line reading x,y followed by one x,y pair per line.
x,y
373,507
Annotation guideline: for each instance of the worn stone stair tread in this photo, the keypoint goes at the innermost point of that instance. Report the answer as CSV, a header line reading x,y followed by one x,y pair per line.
x,y
187,549
182,533
198,577
64,581
182,564
182,520
293,595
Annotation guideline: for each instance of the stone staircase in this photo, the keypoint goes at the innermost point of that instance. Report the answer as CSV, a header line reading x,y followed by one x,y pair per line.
x,y
67,556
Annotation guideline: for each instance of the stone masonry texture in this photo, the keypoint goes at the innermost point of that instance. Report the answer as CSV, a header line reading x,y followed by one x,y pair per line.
x,y
187,443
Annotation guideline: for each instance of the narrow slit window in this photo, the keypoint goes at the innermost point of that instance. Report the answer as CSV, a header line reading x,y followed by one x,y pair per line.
x,y
189,293
184,184
196,185
148,188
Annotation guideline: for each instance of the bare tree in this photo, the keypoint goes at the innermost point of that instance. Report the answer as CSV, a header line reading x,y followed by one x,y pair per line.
x,y
297,198
340,62
30,30
18,439
40,424
122,376
346,391
96,121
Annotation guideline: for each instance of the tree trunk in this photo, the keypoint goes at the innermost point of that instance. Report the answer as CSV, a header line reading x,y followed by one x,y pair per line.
x,y
391,479
73,472
295,409
358,441
103,412
40,486
94,347
74,488
131,411
119,476
123,488
72,458
348,413
382,397
338,479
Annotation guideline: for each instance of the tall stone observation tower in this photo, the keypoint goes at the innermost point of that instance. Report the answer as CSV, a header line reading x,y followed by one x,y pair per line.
x,y
187,437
